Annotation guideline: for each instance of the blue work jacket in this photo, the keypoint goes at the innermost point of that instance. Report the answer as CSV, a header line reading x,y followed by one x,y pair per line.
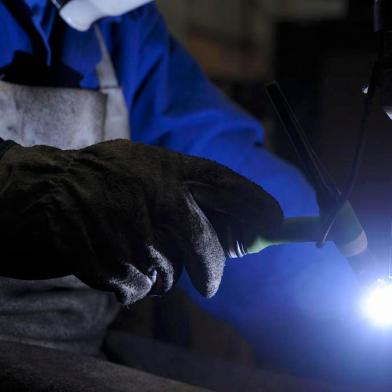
x,y
295,304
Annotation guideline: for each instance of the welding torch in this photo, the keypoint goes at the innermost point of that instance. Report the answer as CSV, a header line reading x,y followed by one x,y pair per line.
x,y
341,226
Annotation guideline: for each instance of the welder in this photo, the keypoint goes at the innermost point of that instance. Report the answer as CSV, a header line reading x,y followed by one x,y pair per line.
x,y
90,219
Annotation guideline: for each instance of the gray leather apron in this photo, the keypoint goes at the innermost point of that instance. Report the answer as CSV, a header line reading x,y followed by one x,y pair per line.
x,y
60,313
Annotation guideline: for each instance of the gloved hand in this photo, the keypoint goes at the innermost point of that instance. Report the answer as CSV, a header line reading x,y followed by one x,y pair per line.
x,y
124,217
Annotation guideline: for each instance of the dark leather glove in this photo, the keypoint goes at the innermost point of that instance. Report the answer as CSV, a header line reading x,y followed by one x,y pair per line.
x,y
124,217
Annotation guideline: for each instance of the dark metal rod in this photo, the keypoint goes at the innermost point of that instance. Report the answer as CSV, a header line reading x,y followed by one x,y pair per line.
x,y
317,173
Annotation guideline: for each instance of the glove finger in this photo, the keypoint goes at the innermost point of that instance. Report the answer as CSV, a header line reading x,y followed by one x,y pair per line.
x,y
228,191
234,204
130,266
129,285
196,244
242,197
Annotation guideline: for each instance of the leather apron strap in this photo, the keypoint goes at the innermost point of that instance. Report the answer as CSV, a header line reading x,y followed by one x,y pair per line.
x,y
117,117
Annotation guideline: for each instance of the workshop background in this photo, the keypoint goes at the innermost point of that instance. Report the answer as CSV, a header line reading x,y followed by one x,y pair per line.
x,y
321,52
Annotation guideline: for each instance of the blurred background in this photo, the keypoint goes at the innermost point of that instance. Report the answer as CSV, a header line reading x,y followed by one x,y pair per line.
x,y
321,52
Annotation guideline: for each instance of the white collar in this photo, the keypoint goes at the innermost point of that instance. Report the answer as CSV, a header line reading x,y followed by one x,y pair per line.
x,y
81,14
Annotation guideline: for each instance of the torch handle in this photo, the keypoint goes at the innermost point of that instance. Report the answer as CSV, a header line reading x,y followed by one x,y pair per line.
x,y
347,234
293,230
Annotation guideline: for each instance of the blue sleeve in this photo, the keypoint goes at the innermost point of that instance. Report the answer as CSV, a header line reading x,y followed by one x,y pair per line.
x,y
176,105
289,302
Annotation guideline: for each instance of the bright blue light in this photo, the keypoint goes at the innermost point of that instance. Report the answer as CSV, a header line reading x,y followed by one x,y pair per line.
x,y
378,303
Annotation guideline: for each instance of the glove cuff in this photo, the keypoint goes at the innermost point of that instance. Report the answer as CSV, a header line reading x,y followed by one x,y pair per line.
x,y
5,145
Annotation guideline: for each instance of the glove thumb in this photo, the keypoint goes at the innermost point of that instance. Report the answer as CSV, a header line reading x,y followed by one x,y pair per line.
x,y
239,213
